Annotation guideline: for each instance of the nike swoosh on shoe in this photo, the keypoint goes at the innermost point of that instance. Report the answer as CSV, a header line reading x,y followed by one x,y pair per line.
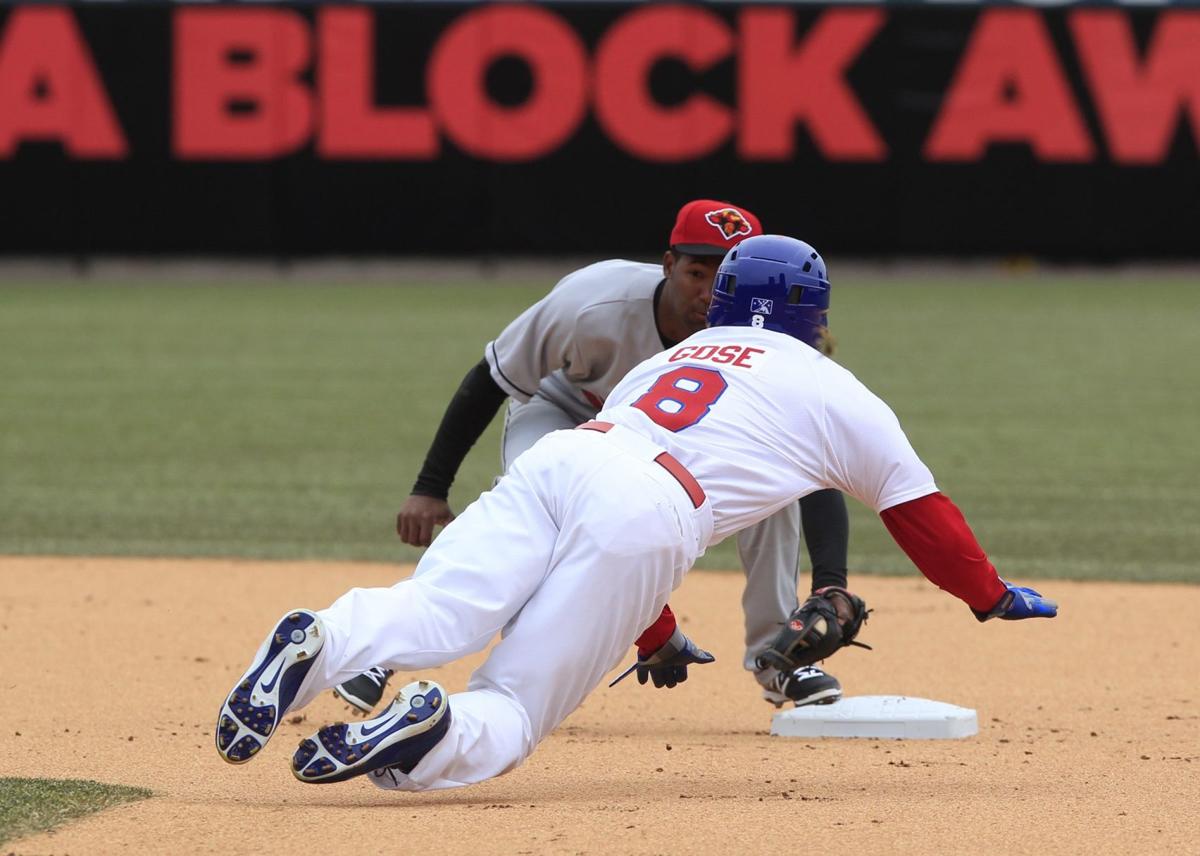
x,y
268,687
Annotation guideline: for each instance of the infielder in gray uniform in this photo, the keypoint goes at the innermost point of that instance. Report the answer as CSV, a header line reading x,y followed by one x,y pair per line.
x,y
558,362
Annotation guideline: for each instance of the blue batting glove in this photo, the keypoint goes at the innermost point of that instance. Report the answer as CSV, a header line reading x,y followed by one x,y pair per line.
x,y
668,666
1020,602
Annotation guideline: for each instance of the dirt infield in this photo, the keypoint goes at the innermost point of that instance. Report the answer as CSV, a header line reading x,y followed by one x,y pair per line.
x,y
113,669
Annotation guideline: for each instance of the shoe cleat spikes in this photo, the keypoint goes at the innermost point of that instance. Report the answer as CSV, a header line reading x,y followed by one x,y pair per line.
x,y
243,749
254,708
406,732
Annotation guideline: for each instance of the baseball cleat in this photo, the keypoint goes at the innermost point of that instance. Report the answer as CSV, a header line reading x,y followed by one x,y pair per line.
x,y
265,692
804,686
398,738
364,691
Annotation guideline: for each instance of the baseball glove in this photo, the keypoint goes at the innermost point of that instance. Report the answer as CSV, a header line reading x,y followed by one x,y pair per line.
x,y
827,621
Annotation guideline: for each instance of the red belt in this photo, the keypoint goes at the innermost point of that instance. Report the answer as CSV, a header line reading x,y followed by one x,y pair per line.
x,y
666,460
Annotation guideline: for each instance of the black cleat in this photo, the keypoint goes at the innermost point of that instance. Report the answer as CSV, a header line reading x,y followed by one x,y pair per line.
x,y
365,691
804,686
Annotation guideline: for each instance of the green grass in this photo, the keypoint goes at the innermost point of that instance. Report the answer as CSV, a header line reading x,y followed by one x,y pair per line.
x,y
289,420
1061,415
29,806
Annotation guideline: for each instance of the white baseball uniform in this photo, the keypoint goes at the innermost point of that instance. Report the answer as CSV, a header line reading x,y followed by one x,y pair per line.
x,y
577,548
559,362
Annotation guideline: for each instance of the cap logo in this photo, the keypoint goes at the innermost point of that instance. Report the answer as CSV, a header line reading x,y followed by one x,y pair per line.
x,y
729,222
761,305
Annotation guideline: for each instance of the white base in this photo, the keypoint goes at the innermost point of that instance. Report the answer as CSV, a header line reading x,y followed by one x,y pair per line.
x,y
898,717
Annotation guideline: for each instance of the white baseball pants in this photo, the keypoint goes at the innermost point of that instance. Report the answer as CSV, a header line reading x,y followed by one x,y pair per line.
x,y
769,550
572,555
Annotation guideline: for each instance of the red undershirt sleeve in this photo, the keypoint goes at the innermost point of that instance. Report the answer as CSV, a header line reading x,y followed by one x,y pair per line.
x,y
935,535
657,634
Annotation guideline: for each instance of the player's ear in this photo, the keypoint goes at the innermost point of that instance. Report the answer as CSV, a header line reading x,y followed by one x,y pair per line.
x,y
669,260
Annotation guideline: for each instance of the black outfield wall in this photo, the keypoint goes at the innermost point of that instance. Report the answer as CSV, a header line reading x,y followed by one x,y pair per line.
x,y
414,128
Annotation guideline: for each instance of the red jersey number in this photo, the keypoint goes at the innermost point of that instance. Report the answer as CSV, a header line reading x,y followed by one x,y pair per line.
x,y
682,397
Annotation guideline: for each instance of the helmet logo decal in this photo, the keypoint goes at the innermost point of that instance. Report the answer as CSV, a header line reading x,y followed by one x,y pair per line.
x,y
767,287
729,222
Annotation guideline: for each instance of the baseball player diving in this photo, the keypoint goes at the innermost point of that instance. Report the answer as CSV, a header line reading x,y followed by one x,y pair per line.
x,y
576,550
557,364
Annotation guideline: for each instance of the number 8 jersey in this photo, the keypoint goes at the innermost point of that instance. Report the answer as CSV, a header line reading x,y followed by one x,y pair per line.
x,y
761,419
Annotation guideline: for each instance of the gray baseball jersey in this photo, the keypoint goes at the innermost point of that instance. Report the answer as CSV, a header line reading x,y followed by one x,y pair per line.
x,y
577,342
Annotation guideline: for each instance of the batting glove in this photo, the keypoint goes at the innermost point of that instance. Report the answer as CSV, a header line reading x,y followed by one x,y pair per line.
x,y
1020,602
668,666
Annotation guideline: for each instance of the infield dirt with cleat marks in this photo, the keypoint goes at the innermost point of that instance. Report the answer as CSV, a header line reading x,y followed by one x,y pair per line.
x,y
116,670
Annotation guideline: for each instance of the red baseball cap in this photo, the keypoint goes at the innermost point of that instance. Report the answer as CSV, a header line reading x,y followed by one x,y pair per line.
x,y
706,227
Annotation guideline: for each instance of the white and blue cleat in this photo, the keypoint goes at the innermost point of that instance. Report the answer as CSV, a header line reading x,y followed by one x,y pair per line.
x,y
398,738
266,691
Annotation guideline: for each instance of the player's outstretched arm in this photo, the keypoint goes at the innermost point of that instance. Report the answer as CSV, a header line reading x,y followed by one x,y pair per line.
x,y
474,404
935,535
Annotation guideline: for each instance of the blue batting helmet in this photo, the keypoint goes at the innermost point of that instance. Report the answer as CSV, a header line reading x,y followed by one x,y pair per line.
x,y
775,282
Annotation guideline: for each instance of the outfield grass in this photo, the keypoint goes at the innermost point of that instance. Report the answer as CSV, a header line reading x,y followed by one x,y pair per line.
x,y
29,806
289,420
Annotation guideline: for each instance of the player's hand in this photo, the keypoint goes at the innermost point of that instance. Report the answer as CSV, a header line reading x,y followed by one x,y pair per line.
x,y
418,517
668,666
1020,602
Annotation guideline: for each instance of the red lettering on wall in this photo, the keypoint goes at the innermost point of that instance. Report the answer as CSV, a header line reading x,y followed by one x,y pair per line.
x,y
351,125
624,106
1140,104
780,85
50,90
458,95
237,92
1009,88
